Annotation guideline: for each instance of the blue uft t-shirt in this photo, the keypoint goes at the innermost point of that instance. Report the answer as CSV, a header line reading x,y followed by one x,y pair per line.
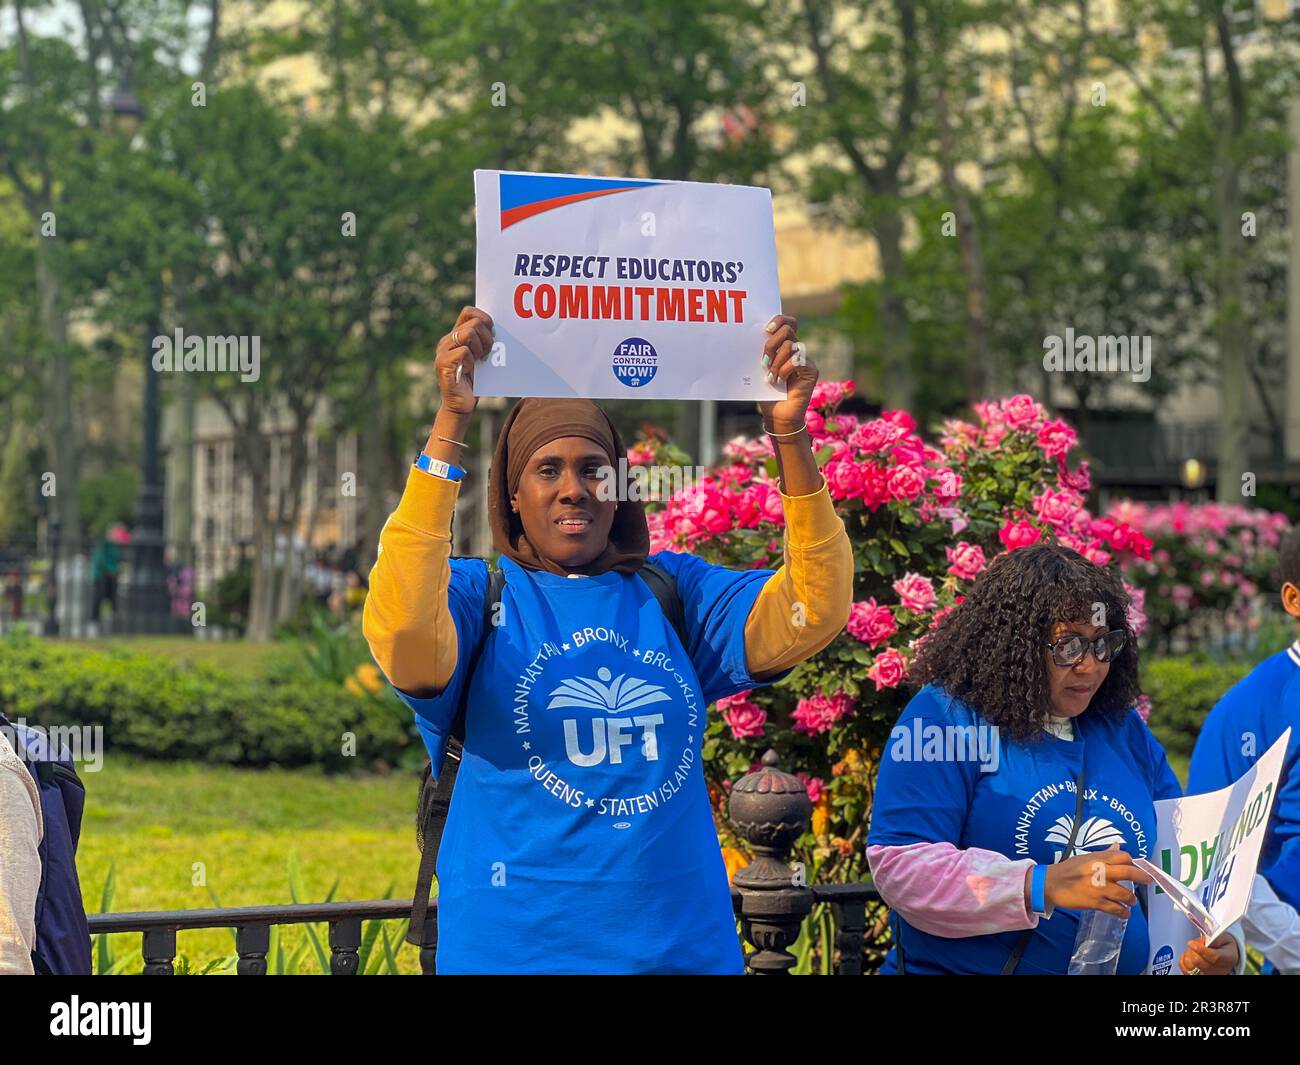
x,y
580,837
1244,724
934,791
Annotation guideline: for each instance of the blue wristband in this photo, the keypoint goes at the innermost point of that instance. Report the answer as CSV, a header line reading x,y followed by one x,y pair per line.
x,y
438,468
1038,889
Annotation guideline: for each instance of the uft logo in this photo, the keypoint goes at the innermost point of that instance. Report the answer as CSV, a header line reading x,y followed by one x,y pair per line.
x,y
1095,834
615,695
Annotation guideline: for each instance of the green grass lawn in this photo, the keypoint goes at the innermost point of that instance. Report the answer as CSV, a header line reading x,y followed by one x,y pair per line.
x,y
165,825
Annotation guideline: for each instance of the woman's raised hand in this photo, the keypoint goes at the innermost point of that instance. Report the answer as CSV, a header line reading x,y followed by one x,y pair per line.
x,y
468,343
785,359
1092,882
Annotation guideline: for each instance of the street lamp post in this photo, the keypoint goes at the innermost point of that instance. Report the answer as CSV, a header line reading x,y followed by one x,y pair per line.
x,y
147,606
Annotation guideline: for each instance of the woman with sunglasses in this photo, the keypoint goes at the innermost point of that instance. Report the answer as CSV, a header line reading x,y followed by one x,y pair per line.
x,y
1018,786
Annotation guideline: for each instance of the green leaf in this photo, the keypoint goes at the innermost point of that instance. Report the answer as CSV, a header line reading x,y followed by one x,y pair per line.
x,y
390,957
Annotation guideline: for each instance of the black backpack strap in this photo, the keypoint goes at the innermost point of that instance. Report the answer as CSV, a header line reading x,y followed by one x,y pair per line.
x,y
1022,944
435,796
664,587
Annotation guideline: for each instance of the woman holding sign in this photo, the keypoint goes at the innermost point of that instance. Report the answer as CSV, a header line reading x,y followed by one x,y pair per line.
x,y
988,850
580,838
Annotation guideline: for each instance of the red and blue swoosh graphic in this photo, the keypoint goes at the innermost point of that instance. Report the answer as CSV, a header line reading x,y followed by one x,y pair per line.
x,y
524,195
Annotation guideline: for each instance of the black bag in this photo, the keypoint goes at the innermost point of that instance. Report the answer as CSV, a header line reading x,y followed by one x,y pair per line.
x,y
435,796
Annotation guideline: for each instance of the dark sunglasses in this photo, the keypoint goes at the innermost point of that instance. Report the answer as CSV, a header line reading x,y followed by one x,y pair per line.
x,y
1071,649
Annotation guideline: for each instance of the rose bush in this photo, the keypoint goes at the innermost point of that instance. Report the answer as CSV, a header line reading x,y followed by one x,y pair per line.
x,y
1212,557
924,520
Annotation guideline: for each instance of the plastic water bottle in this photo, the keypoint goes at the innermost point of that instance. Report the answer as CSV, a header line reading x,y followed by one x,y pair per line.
x,y
1096,947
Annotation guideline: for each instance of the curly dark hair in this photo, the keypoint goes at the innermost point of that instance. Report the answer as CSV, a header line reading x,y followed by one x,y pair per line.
x,y
1288,560
991,651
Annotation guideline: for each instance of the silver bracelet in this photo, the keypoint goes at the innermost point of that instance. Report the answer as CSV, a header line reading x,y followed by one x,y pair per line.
x,y
783,435
448,440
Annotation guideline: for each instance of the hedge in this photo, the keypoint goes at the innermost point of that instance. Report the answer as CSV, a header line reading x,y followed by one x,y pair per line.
x,y
1183,690
155,708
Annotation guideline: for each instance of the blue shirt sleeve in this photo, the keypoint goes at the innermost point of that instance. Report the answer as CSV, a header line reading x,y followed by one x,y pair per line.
x,y
1216,763
918,800
716,602
434,716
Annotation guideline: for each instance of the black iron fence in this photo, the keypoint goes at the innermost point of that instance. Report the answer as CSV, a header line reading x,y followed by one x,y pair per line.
x,y
1149,454
852,908
90,591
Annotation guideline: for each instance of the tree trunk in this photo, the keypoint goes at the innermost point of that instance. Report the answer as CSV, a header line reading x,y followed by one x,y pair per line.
x,y
58,398
899,384
1232,340
981,376
374,433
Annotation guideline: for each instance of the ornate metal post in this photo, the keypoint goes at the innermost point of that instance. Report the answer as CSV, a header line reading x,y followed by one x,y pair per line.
x,y
345,941
770,809
158,946
251,944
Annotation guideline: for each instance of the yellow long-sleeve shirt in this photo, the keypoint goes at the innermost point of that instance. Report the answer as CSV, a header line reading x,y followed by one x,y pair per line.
x,y
799,610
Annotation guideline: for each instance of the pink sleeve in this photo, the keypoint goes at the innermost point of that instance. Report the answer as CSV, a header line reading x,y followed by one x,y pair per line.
x,y
949,892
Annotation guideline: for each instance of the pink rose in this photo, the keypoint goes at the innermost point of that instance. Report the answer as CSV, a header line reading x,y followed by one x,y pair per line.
x,y
888,670
956,517
746,719
875,485
1056,438
1057,509
875,435
1016,534
1137,618
915,593
947,487
958,434
938,617
1077,480
905,483
818,714
902,419
844,478
871,623
640,455
966,560
816,787
1022,412
910,451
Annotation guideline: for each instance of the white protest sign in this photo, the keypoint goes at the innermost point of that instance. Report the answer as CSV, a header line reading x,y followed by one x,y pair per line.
x,y
620,288
1208,846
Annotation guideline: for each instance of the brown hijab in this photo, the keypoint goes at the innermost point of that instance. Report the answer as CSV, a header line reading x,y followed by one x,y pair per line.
x,y
530,424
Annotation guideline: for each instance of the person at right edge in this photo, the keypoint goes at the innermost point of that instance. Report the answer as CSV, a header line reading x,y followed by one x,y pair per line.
x,y
1244,724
